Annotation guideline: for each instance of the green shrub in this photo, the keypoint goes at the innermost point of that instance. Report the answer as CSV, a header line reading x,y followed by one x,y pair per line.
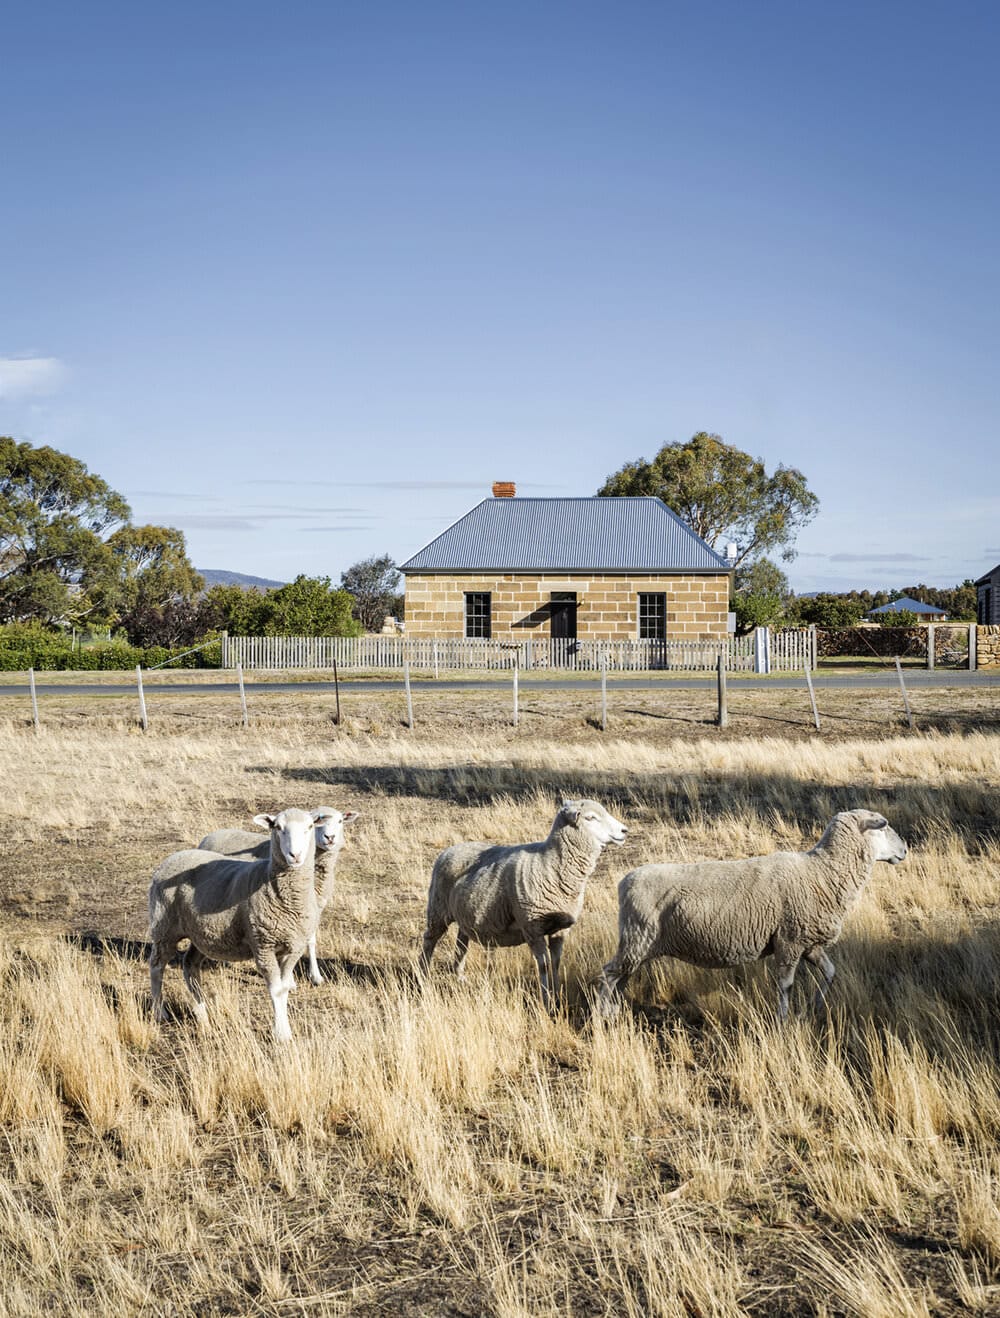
x,y
24,646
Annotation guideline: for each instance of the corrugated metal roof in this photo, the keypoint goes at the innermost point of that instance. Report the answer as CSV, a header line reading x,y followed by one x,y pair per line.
x,y
907,604
596,534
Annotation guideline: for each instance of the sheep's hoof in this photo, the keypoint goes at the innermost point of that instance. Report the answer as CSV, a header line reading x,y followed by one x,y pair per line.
x,y
317,979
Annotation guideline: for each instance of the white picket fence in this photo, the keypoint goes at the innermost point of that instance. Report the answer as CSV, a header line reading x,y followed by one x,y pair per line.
x,y
763,651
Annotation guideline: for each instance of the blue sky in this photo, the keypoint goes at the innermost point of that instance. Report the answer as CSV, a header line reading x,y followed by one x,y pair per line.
x,y
305,279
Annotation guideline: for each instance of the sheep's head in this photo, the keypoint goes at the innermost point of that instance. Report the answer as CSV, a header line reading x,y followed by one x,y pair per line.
x,y
593,819
885,842
330,827
294,833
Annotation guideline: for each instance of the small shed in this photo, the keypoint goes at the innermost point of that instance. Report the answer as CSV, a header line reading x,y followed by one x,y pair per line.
x,y
988,598
925,612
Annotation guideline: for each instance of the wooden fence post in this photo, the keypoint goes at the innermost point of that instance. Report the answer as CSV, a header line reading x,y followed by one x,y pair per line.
x,y
243,695
902,687
812,697
142,698
515,688
604,691
723,694
409,698
973,640
336,690
436,672
930,646
34,699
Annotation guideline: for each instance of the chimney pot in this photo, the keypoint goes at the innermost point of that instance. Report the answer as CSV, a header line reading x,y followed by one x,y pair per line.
x,y
504,489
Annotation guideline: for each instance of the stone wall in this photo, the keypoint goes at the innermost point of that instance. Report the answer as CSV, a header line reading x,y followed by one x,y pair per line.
x,y
988,647
607,604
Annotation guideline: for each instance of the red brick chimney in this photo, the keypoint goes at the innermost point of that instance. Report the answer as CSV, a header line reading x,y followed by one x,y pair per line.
x,y
504,489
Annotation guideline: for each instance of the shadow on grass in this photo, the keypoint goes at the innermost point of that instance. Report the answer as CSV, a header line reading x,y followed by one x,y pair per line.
x,y
918,810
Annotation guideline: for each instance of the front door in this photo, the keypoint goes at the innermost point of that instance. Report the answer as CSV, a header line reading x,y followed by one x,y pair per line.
x,y
562,612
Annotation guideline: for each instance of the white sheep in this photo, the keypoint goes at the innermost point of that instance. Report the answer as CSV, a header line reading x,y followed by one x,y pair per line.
x,y
237,910
789,905
330,826
502,896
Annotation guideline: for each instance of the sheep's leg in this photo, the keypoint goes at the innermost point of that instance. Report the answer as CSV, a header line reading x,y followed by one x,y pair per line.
x,y
540,951
267,964
461,952
817,957
159,955
432,936
613,979
555,957
191,965
315,976
785,969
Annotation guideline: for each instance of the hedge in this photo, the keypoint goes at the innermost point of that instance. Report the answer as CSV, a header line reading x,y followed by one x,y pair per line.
x,y
23,647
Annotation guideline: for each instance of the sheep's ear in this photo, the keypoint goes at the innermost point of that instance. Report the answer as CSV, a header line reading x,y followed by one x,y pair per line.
x,y
570,811
350,816
876,821
264,821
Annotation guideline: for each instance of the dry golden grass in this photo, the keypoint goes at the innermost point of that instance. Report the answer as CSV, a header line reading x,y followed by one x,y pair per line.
x,y
448,1149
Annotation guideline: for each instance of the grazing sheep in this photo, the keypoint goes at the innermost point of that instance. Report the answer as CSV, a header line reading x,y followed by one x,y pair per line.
x,y
330,825
238,910
505,895
789,905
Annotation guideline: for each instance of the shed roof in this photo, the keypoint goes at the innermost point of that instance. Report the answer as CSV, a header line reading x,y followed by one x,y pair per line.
x,y
988,577
594,534
906,604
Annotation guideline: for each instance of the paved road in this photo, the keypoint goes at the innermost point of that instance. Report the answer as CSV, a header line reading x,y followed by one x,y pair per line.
x,y
915,677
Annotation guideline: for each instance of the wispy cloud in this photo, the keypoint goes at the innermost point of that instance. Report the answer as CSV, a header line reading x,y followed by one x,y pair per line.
x,y
30,377
306,530
167,494
879,558
246,521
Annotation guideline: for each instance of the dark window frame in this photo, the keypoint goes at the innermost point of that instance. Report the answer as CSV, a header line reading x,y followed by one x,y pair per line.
x,y
478,615
652,621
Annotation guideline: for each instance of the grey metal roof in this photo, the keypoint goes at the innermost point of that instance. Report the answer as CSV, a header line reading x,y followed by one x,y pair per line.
x,y
596,534
985,580
905,604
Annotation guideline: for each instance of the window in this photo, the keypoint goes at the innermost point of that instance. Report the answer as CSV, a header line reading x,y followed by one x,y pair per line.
x,y
652,617
477,614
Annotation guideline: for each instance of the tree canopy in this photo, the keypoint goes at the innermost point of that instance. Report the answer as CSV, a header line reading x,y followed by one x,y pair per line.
x,y
307,606
723,494
373,582
54,515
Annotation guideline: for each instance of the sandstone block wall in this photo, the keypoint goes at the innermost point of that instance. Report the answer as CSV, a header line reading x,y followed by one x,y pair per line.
x,y
988,647
607,605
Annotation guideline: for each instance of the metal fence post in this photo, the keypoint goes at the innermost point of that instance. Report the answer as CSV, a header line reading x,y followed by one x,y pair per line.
x,y
973,642
930,646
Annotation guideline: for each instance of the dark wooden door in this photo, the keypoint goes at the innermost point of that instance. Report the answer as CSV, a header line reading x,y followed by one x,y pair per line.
x,y
563,612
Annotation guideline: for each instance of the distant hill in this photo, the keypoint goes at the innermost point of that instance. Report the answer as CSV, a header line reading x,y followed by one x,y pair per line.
x,y
217,577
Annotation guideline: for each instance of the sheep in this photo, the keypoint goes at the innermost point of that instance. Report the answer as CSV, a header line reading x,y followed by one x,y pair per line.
x,y
789,905
330,825
237,910
502,896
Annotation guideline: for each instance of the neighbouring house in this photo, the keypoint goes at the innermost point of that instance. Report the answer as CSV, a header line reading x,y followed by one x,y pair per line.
x,y
590,568
988,598
925,612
